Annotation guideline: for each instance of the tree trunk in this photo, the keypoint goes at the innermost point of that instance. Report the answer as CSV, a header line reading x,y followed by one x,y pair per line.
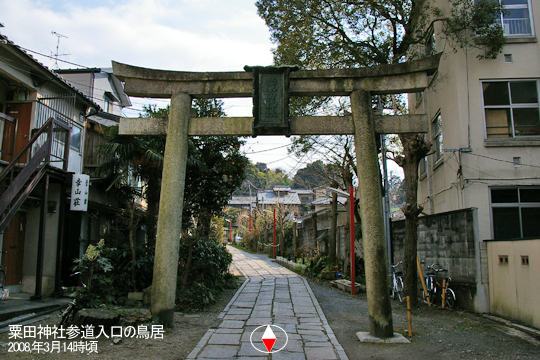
x,y
414,149
188,263
205,220
347,179
333,230
281,222
151,217
314,222
411,211
89,285
131,209
282,240
295,239
265,233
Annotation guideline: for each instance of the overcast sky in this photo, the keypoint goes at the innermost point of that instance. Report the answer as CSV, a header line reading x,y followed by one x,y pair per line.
x,y
194,35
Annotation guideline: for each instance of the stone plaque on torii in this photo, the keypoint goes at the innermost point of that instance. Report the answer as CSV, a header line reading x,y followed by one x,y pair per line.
x,y
358,83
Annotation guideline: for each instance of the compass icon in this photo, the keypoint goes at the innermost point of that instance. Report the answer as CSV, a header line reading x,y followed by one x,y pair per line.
x,y
272,340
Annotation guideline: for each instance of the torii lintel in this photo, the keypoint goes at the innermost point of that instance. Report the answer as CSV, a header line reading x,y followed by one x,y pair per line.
x,y
407,77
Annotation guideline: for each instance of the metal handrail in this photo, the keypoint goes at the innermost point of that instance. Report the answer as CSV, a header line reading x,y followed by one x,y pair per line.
x,y
42,130
20,187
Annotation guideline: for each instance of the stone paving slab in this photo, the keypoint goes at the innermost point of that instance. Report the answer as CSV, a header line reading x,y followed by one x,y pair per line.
x,y
320,353
225,339
270,295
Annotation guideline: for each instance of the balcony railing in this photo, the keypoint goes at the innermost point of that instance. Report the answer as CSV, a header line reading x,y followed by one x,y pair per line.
x,y
517,27
45,145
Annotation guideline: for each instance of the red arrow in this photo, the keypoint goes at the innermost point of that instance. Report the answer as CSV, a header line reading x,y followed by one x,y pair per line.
x,y
269,343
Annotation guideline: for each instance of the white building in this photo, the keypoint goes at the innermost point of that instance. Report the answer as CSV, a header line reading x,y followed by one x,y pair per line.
x,y
485,129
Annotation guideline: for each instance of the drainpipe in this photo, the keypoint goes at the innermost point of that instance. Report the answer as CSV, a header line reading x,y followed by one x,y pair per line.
x,y
428,169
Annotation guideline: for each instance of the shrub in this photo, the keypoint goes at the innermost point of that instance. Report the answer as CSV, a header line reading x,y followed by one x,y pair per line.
x,y
123,264
93,265
202,272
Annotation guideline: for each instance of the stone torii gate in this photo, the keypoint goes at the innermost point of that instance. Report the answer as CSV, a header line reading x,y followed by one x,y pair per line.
x,y
358,83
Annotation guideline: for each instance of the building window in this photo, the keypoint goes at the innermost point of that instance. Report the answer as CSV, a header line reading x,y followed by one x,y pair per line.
x,y
76,138
517,20
437,137
511,108
515,212
422,166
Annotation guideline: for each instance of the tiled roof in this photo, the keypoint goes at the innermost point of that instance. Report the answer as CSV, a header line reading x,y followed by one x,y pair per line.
x,y
242,200
270,197
302,191
327,201
5,41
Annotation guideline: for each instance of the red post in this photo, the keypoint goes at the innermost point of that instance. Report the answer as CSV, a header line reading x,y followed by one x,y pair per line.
x,y
230,231
250,232
351,201
274,233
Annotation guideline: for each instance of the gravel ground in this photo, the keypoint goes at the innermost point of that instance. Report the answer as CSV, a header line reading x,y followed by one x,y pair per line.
x,y
437,333
176,343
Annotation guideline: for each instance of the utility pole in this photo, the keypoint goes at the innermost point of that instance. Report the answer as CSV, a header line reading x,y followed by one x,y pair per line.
x,y
386,205
55,66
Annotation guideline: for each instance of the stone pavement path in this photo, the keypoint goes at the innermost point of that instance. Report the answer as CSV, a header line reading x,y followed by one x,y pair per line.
x,y
271,295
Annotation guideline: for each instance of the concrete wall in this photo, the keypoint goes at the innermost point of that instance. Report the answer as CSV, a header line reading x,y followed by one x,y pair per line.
x,y
449,239
31,245
514,290
305,234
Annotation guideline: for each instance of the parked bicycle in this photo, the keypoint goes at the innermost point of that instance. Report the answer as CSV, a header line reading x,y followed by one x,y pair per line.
x,y
435,288
397,283
68,314
2,281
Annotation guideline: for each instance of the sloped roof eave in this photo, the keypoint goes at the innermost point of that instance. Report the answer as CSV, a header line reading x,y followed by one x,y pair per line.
x,y
18,51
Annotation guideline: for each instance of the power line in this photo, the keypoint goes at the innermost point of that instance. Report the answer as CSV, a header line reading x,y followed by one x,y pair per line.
x,y
52,57
260,151
271,162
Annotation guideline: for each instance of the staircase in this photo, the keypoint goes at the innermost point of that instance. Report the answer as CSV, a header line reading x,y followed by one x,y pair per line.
x,y
49,151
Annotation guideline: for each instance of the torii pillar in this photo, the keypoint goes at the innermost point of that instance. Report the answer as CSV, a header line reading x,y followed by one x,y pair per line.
x,y
373,236
359,84
171,204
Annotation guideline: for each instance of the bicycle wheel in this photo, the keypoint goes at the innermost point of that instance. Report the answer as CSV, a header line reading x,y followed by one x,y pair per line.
x,y
66,315
450,298
400,289
393,292
431,295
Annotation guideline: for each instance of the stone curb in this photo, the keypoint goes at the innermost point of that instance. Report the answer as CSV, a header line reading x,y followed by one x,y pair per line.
x,y
201,344
341,352
526,329
226,309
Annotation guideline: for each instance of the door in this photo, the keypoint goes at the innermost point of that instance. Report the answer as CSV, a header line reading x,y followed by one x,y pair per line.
x,y
23,113
13,249
72,235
